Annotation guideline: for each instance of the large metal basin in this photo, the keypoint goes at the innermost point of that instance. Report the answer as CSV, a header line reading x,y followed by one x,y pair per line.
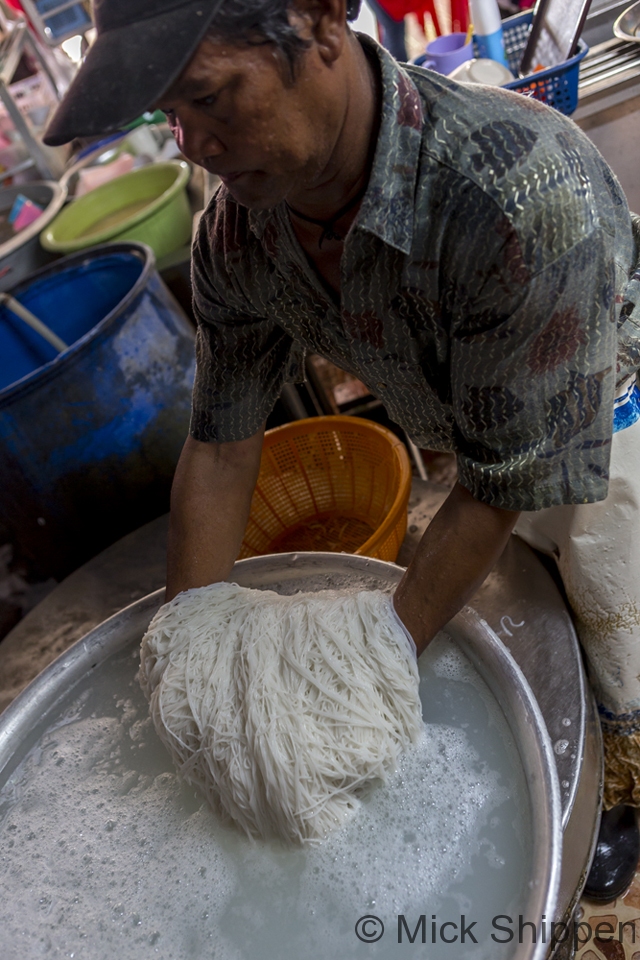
x,y
288,573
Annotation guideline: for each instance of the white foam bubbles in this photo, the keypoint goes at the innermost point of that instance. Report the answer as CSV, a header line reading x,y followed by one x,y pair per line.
x,y
104,853
416,835
448,662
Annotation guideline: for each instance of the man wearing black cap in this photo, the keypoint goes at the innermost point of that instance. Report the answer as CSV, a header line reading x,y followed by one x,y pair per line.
x,y
466,252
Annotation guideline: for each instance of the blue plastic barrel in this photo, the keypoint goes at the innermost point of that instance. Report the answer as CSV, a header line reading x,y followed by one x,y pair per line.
x,y
89,438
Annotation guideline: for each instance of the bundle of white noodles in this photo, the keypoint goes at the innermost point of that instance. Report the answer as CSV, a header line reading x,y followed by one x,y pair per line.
x,y
281,709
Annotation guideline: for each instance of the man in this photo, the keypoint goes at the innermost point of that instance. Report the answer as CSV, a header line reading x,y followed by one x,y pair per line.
x,y
464,251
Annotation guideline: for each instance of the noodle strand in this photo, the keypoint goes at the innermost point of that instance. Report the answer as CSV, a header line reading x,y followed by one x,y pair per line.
x,y
281,709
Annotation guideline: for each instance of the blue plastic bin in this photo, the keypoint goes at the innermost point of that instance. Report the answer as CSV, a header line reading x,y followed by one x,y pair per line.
x,y
556,86
89,438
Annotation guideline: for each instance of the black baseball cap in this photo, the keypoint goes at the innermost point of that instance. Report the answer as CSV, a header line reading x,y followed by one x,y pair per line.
x,y
142,46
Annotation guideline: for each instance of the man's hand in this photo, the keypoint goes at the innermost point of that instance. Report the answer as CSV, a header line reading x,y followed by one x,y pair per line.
x,y
458,550
210,504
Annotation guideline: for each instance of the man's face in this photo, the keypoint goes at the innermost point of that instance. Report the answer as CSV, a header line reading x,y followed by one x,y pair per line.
x,y
235,112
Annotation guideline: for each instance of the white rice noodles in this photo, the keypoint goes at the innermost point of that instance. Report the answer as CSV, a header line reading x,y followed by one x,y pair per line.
x,y
281,709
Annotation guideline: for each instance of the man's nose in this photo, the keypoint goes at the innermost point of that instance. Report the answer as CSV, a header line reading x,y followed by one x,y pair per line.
x,y
195,141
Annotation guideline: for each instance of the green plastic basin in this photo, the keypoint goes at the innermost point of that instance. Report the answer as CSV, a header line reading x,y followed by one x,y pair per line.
x,y
149,205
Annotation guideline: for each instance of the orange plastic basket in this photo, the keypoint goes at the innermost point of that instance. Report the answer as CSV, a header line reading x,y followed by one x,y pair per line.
x,y
330,483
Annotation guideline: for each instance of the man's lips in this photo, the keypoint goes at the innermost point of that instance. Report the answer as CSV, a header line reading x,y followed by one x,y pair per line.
x,y
233,177
213,168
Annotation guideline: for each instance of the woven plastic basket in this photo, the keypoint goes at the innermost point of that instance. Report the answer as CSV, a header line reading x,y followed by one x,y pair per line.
x,y
556,86
340,484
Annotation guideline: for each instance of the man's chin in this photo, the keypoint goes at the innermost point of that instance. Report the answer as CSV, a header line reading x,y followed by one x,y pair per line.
x,y
254,192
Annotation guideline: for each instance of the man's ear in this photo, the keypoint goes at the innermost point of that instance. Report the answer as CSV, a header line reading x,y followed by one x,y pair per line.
x,y
324,23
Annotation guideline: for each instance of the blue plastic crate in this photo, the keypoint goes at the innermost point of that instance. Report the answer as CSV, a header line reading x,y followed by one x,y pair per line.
x,y
57,20
556,86
72,20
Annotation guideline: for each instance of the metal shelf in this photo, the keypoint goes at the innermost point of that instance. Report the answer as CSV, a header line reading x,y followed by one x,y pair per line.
x,y
610,63
11,49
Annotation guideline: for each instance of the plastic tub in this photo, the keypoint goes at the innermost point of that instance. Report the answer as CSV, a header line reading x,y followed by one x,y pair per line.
x,y
330,483
149,205
90,437
21,253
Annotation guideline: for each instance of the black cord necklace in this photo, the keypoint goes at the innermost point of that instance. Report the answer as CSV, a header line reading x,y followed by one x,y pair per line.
x,y
328,226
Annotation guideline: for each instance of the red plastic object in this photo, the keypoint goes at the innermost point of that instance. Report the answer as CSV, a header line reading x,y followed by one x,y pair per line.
x,y
459,16
398,9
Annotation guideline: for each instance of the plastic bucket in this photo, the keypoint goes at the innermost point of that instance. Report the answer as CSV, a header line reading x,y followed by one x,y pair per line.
x,y
89,438
330,483
21,255
149,205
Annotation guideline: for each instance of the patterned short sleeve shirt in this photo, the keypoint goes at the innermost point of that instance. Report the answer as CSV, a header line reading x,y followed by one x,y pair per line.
x,y
488,293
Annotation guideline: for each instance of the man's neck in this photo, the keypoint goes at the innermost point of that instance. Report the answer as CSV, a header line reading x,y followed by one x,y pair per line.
x,y
349,165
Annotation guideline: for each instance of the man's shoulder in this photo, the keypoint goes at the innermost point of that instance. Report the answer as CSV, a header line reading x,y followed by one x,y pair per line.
x,y
506,128
497,150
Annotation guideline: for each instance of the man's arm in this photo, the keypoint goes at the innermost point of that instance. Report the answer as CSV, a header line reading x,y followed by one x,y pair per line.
x,y
210,503
458,550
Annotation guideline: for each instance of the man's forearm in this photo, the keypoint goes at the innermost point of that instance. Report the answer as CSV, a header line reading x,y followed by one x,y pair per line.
x,y
458,550
210,504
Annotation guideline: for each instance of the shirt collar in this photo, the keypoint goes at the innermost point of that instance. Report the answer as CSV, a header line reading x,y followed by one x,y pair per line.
x,y
387,209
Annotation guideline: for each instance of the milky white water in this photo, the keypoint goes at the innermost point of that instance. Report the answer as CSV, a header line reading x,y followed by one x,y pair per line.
x,y
104,854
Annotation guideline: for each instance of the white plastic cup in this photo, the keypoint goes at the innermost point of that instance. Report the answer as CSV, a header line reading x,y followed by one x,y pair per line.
x,y
487,28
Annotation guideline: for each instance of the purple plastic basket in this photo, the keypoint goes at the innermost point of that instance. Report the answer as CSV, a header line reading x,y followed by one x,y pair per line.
x,y
556,86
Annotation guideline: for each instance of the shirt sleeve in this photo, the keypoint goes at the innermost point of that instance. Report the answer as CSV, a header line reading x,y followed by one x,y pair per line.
x,y
243,358
533,365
